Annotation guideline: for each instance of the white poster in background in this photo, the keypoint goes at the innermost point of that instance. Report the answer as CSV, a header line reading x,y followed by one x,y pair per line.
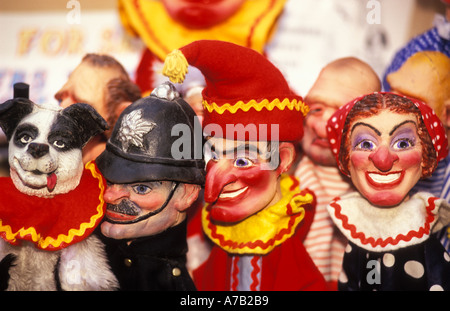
x,y
42,48
312,33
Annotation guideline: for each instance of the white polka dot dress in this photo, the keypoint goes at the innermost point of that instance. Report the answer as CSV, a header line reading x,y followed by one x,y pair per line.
x,y
407,269
394,259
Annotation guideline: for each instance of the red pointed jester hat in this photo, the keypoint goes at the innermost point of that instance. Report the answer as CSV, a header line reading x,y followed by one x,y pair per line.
x,y
242,88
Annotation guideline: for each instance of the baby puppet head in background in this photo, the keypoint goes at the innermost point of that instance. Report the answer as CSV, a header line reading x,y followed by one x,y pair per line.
x,y
425,75
386,143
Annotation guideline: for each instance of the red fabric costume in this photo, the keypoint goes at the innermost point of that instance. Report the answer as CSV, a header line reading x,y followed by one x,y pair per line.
x,y
52,223
264,250
281,263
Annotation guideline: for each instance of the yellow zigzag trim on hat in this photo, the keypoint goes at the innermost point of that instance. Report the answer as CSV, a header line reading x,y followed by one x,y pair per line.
x,y
72,232
258,106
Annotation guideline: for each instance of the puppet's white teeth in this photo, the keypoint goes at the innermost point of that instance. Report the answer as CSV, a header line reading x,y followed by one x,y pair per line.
x,y
384,179
232,194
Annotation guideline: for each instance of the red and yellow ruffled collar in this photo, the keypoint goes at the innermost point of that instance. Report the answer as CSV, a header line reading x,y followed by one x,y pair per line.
x,y
53,223
385,229
261,233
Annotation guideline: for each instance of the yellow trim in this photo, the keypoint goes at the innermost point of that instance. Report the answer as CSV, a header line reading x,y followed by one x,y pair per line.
x,y
72,232
262,232
258,106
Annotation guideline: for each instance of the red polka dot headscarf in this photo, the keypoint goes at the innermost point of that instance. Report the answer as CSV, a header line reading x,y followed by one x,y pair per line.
x,y
433,124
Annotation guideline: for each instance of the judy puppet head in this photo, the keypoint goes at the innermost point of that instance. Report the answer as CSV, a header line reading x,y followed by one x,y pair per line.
x,y
386,143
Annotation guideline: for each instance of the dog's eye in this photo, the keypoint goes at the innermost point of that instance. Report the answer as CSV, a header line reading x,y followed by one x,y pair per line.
x,y
25,139
58,144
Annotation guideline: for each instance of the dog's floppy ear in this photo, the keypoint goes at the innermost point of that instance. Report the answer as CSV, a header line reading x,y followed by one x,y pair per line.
x,y
87,119
11,112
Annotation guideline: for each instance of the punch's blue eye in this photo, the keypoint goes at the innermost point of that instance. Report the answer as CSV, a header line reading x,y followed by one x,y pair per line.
x,y
243,162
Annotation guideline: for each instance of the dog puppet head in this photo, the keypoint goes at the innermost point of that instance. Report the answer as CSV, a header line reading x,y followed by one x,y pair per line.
x,y
45,144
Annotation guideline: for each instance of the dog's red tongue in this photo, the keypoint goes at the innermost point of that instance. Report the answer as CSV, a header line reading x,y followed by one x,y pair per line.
x,y
51,182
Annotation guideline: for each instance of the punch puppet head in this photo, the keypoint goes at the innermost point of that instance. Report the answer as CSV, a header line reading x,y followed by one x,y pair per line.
x,y
386,143
250,119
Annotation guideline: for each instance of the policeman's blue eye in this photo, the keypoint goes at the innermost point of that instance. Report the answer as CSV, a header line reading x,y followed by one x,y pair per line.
x,y
141,189
243,162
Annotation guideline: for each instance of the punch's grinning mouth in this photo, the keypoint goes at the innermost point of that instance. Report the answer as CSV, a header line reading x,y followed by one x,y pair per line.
x,y
232,194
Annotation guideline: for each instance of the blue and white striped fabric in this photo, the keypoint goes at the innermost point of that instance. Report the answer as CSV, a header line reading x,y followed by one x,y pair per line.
x,y
428,41
445,234
446,183
438,185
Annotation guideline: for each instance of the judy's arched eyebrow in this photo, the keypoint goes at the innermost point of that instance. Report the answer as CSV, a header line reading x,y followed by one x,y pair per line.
x,y
378,132
400,124
365,124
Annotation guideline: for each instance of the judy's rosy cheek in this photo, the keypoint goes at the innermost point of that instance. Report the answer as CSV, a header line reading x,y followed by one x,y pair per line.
x,y
410,158
359,159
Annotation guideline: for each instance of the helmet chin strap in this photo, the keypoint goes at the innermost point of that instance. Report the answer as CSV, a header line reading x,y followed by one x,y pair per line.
x,y
150,214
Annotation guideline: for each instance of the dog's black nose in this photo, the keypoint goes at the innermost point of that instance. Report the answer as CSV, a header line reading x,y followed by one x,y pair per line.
x,y
38,150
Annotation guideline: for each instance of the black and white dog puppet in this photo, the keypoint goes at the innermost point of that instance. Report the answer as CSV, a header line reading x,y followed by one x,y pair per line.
x,y
51,203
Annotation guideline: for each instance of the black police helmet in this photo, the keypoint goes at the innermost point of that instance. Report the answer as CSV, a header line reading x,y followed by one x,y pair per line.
x,y
142,147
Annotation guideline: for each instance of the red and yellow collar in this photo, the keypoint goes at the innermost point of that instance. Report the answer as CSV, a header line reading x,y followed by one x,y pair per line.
x,y
261,233
53,223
